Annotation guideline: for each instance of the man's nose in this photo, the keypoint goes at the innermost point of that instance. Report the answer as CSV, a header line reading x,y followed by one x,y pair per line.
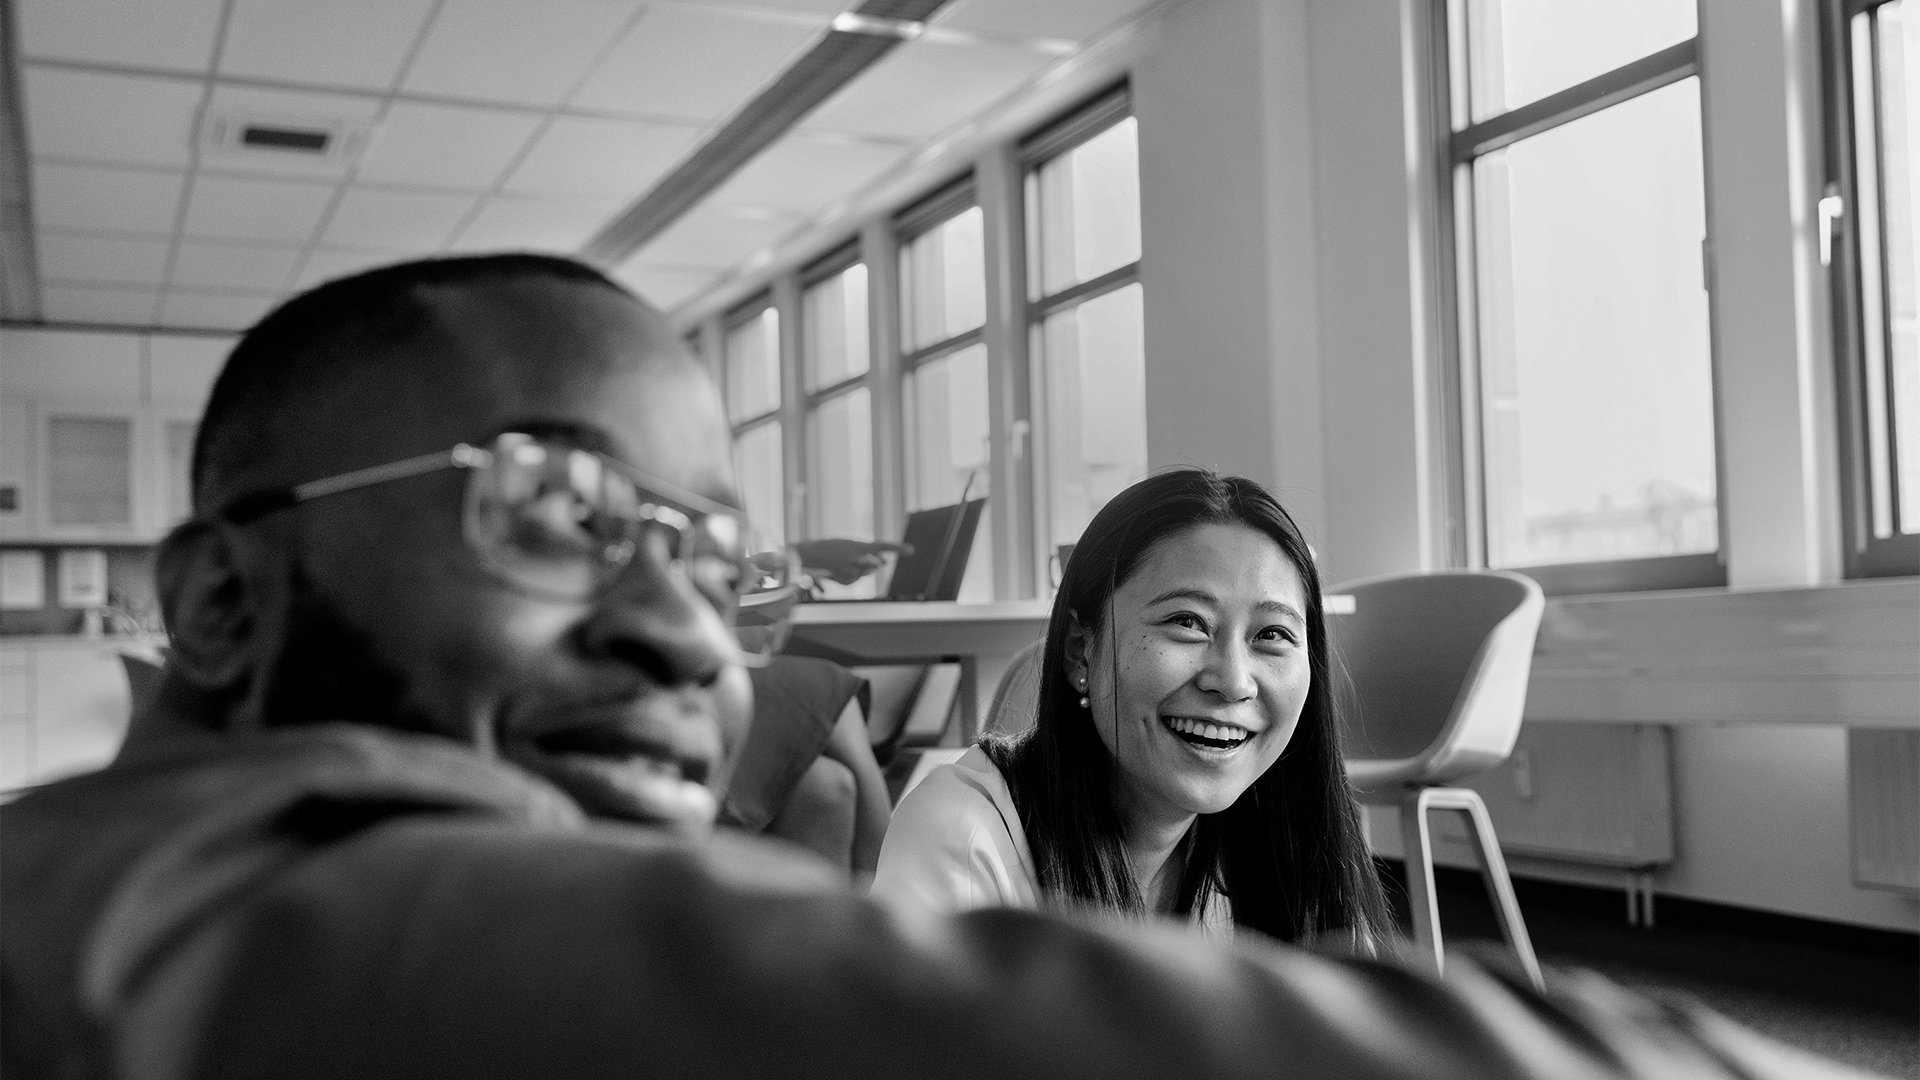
x,y
656,620
1229,669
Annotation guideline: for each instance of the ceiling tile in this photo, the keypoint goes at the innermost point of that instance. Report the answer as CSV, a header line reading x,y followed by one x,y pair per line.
x,y
175,34
109,260
120,307
508,50
215,311
325,264
359,43
700,64
106,200
506,222
606,158
1073,20
293,106
708,238
414,222
247,209
258,268
921,89
445,146
801,176
663,288
80,114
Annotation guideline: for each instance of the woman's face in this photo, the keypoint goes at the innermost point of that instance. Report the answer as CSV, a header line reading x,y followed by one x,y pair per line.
x,y
1197,680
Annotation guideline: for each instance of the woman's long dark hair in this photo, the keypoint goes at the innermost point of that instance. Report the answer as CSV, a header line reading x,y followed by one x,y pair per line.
x,y
1289,853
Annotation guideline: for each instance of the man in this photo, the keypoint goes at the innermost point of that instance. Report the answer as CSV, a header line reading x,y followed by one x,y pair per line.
x,y
424,791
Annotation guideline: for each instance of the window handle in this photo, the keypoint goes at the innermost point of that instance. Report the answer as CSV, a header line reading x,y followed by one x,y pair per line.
x,y
1832,209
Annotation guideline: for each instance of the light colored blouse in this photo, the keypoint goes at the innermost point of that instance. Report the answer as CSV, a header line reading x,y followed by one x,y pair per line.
x,y
956,843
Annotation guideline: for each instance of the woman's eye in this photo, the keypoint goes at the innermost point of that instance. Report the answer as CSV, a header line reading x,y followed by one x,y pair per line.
x,y
1187,620
1280,634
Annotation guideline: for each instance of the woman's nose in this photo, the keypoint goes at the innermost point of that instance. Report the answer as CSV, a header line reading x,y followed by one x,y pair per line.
x,y
1229,670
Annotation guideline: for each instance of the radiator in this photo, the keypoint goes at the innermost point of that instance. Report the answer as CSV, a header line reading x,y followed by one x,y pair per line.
x,y
1883,779
1600,794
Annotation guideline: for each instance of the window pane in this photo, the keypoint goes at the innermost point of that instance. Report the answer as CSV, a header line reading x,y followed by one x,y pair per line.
x,y
757,460
1596,384
943,281
835,311
89,470
947,446
1086,210
840,443
1094,358
1523,50
753,366
180,470
840,478
1894,393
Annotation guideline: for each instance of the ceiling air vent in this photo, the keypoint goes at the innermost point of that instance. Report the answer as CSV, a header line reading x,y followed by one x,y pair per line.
x,y
242,133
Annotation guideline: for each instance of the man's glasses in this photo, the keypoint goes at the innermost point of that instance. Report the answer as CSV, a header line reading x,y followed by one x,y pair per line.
x,y
557,522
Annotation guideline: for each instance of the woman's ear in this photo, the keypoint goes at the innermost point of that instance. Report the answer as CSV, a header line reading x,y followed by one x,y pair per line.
x,y
1079,649
209,607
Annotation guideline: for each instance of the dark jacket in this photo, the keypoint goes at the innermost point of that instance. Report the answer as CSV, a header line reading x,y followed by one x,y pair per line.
x,y
344,901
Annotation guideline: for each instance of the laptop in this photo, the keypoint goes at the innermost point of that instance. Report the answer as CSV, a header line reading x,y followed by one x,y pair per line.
x,y
942,540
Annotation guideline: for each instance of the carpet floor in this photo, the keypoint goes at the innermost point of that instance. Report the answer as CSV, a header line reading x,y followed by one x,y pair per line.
x,y
1847,993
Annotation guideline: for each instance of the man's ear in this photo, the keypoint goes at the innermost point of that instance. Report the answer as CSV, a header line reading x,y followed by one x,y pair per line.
x,y
210,610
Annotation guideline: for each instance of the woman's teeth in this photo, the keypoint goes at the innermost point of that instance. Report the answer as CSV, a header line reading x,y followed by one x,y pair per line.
x,y
1202,733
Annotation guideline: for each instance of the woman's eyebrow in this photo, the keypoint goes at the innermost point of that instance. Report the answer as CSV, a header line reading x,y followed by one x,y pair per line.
x,y
1201,595
1282,607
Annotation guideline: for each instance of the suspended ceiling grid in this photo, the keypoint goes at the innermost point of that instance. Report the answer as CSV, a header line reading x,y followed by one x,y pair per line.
x,y
472,125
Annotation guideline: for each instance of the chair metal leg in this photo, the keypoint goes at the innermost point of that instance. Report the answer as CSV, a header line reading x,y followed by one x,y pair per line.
x,y
1493,870
1417,845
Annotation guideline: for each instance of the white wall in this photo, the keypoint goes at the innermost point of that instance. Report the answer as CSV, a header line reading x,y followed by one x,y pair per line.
x,y
1279,236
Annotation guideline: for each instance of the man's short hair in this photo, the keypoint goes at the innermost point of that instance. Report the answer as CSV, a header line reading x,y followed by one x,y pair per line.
x,y
325,334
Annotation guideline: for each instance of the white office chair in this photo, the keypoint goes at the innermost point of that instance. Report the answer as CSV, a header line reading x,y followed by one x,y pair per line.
x,y
1434,668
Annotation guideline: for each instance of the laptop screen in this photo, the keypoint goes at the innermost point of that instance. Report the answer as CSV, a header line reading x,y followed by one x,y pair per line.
x,y
942,539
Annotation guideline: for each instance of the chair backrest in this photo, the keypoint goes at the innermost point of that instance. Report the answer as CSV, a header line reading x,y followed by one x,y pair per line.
x,y
1016,697
1432,670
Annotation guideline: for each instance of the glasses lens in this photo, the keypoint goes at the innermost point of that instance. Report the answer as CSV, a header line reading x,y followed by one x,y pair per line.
x,y
548,519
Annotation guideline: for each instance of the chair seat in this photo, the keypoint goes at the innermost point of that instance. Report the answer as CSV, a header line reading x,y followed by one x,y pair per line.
x,y
1383,778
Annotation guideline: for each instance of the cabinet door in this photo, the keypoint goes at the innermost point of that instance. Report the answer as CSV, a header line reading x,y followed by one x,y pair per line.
x,y
80,708
16,468
87,460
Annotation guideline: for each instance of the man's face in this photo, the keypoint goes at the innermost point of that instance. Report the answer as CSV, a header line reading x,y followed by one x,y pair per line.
x,y
625,700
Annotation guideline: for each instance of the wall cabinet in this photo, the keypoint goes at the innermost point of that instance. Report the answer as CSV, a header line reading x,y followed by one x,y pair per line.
x,y
96,432
64,706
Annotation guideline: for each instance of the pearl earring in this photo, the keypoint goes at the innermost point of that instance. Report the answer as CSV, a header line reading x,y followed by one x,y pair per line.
x,y
1083,693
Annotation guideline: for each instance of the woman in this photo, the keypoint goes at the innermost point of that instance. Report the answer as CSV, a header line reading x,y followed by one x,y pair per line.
x,y
1185,758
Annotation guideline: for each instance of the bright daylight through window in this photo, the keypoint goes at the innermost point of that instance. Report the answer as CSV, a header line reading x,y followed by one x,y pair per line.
x,y
1587,329
1876,62
753,398
1089,347
944,389
835,359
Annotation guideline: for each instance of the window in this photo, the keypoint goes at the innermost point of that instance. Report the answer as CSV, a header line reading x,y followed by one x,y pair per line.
x,y
835,360
944,411
753,404
1586,370
1087,343
1874,51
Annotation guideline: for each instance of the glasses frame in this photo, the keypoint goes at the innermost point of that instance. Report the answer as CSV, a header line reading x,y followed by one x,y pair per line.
x,y
661,502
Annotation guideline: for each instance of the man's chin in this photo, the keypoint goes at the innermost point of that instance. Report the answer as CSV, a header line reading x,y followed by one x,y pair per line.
x,y
636,788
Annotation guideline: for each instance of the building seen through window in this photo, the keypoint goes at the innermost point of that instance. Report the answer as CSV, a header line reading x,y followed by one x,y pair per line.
x,y
1588,362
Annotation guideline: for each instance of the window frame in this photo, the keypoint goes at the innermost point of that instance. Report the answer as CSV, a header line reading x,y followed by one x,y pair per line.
x,y
946,203
736,317
828,266
1082,124
1461,142
1865,555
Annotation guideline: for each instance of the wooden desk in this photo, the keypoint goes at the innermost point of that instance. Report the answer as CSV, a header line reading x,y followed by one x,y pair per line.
x,y
983,637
